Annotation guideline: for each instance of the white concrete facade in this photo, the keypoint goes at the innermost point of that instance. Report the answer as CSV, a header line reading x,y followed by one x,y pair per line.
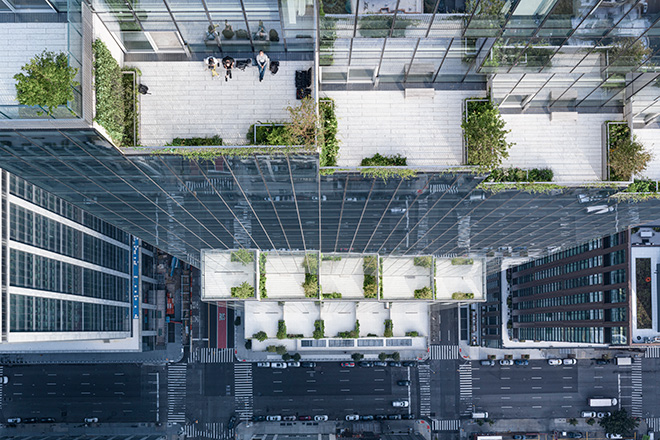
x,y
401,278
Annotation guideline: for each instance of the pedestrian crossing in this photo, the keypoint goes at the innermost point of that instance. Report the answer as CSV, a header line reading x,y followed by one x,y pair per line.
x,y
445,425
653,423
444,352
211,355
176,393
653,352
465,388
636,375
243,390
216,431
424,373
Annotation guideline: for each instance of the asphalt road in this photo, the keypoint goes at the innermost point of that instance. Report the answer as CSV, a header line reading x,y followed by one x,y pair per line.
x,y
210,390
70,393
543,391
334,391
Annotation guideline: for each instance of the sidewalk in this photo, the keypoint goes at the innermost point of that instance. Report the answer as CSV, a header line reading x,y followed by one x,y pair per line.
x,y
247,430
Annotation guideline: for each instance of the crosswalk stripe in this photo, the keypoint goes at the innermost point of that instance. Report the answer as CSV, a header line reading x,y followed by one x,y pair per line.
x,y
214,430
636,376
465,388
424,374
444,352
445,425
653,352
653,423
176,393
212,355
243,390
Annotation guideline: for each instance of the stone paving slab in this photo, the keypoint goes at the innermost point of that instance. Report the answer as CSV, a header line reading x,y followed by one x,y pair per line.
x,y
427,130
186,101
26,40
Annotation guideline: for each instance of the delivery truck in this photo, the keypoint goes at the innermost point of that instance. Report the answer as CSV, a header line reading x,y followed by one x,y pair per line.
x,y
595,403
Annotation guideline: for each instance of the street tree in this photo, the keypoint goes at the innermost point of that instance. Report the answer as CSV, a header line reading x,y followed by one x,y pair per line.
x,y
619,422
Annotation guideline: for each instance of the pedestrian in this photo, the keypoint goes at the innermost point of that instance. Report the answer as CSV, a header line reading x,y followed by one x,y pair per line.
x,y
227,63
211,64
262,63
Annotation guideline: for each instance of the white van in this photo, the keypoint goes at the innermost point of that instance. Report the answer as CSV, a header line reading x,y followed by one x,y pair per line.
x,y
480,415
623,360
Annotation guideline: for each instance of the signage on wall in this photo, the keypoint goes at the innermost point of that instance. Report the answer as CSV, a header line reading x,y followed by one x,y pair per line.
x,y
136,278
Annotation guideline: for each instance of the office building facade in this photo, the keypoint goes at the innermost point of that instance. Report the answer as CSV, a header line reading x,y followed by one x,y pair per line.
x,y
580,294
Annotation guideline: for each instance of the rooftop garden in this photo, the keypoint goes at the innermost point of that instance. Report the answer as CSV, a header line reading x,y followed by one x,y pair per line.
x,y
408,278
229,274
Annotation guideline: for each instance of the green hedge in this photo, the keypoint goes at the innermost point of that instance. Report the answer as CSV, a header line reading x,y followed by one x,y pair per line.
x,y
260,336
370,269
242,256
485,133
213,141
319,329
311,285
377,160
332,295
462,295
330,147
243,291
281,329
461,261
424,293
520,175
388,328
262,276
272,134
425,261
108,81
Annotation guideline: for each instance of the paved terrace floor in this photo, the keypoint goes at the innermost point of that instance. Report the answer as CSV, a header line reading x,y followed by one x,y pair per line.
x,y
185,101
22,41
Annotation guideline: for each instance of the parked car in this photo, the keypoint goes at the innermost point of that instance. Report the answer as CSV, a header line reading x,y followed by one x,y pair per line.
x,y
554,362
289,418
232,422
394,417
293,364
348,364
569,361
614,436
352,417
321,418
258,418
30,420
394,363
14,420
521,362
304,417
506,362
602,361
400,403
487,363
602,414
308,364
47,420
273,418
572,434
263,364
5,380
91,420
366,364
588,414
381,417
366,417
380,364
409,364
278,365
403,383
408,417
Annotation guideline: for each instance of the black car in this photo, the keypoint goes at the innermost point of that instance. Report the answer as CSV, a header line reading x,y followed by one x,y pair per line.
x,y
258,418
394,417
367,364
366,417
47,420
403,383
30,420
308,364
573,434
394,364
409,363
602,361
380,417
408,417
232,422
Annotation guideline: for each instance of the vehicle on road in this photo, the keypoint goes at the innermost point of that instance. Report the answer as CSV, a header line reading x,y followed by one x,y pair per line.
x,y
321,418
521,362
366,418
614,436
588,414
304,417
47,420
273,418
258,418
506,362
403,383
91,420
308,364
14,420
394,417
348,364
381,417
289,418
352,417
623,360
602,361
602,414
380,364
5,380
594,403
293,364
400,403
571,434
480,415
523,437
569,361
30,420
366,364
409,364
408,417
232,422
487,363
394,364
263,364
278,365
554,362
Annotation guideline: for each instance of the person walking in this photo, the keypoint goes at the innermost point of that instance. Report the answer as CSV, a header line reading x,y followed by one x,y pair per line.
x,y
211,63
262,63
227,63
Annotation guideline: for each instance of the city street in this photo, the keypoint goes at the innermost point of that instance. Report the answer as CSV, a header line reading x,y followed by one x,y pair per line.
x,y
70,393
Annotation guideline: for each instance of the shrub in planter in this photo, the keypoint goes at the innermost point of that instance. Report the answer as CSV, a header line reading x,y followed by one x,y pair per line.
x,y
262,276
47,81
377,160
281,329
396,356
295,357
311,285
642,186
273,36
491,357
425,261
243,291
412,334
213,141
319,329
424,293
242,256
280,349
459,261
260,336
485,134
628,157
462,295
286,357
357,356
388,329
382,356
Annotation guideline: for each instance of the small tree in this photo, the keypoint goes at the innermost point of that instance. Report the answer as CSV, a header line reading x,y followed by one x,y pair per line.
x,y
396,356
591,421
48,81
573,421
296,357
244,291
382,356
304,128
628,157
486,136
286,357
280,349
260,336
619,422
357,356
